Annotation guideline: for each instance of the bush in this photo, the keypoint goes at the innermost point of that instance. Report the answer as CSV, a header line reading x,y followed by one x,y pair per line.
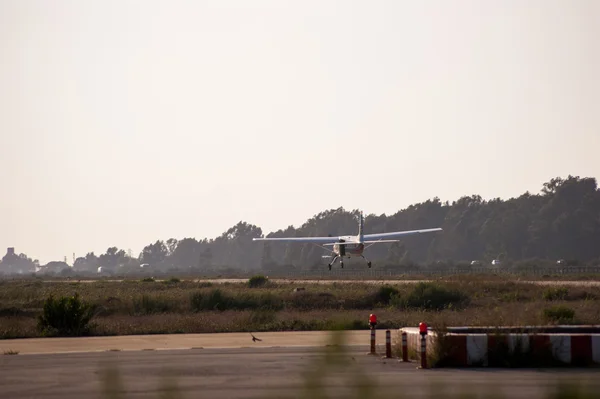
x,y
173,280
265,301
555,294
345,323
429,296
218,300
213,300
385,294
148,280
306,300
559,314
262,317
583,296
149,305
66,316
257,281
512,297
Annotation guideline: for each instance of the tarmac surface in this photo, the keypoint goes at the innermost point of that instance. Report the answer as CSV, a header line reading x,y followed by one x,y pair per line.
x,y
266,369
254,373
581,283
288,339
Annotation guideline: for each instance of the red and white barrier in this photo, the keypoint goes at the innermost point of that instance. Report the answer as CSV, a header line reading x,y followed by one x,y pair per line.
x,y
388,344
474,349
423,352
404,347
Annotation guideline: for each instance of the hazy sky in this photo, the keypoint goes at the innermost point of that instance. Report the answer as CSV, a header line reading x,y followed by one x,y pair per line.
x,y
124,122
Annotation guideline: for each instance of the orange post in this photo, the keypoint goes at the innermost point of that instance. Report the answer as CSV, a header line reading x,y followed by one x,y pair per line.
x,y
388,344
404,347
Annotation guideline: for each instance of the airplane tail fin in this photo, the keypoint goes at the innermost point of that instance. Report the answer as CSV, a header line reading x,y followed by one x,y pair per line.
x,y
360,227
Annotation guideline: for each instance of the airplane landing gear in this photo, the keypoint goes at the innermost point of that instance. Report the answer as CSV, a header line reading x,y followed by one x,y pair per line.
x,y
369,264
368,261
333,261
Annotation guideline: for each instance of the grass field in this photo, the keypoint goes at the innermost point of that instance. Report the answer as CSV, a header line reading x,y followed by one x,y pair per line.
x,y
174,306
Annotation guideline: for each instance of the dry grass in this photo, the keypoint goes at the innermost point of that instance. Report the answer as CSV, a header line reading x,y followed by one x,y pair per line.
x,y
135,307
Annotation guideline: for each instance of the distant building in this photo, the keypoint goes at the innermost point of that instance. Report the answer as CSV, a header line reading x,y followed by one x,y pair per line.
x,y
9,261
54,267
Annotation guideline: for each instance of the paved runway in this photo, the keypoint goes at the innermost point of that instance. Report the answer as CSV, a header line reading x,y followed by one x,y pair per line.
x,y
183,341
251,373
581,283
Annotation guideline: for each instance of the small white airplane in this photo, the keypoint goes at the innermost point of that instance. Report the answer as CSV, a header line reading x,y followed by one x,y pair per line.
x,y
350,246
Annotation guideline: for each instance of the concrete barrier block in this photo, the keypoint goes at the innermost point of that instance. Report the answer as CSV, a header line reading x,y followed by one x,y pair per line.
x,y
479,349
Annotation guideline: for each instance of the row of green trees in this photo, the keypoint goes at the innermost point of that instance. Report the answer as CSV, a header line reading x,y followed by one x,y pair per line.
x,y
233,249
562,221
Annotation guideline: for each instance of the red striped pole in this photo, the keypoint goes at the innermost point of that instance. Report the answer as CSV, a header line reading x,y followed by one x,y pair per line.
x,y
404,347
373,352
423,352
388,344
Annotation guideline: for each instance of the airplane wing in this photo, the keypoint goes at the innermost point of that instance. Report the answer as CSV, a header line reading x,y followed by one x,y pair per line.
x,y
316,240
379,241
382,236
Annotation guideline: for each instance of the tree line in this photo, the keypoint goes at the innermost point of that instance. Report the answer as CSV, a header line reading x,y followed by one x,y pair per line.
x,y
562,221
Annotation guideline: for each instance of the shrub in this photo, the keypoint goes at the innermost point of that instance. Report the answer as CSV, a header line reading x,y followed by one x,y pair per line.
x,y
443,350
218,300
559,314
262,317
148,280
149,305
512,297
266,301
173,280
384,294
429,296
583,296
66,316
341,323
555,294
213,300
306,300
257,281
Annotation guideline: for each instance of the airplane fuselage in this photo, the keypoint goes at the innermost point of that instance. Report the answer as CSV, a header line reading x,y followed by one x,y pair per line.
x,y
349,250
